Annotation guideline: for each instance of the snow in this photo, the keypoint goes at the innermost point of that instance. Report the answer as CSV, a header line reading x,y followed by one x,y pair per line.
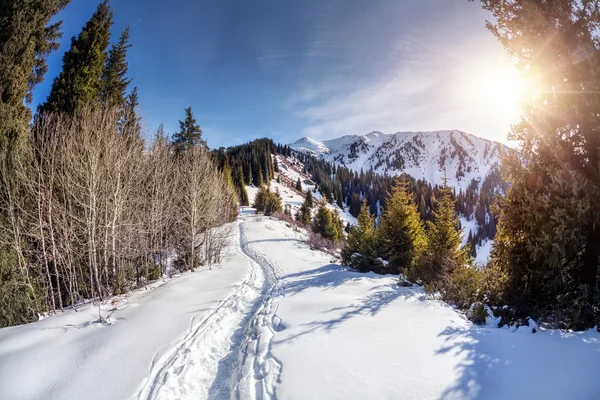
x,y
422,153
68,356
483,252
346,335
468,226
278,320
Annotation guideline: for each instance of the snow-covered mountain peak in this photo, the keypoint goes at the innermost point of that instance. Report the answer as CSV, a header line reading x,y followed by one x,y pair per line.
x,y
424,155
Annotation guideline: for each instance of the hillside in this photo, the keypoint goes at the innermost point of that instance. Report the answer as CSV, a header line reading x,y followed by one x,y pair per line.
x,y
423,155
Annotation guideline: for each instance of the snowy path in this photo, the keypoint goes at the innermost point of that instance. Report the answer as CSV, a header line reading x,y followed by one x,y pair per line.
x,y
69,357
226,355
279,321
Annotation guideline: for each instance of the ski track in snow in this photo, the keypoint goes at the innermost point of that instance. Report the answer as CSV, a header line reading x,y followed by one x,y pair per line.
x,y
228,353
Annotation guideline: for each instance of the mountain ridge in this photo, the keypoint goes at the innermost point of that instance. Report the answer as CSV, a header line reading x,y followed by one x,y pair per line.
x,y
427,155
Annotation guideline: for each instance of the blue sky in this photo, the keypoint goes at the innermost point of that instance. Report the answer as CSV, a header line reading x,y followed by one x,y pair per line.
x,y
288,68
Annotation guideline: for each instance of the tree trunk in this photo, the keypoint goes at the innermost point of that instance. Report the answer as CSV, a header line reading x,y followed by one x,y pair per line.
x,y
589,269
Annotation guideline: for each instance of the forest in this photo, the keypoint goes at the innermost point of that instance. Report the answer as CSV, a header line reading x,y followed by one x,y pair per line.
x,y
88,209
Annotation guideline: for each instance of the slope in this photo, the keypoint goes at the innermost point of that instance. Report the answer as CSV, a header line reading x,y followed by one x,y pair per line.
x,y
430,156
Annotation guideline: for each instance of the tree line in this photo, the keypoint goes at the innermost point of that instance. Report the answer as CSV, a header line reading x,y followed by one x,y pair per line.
x,y
86,210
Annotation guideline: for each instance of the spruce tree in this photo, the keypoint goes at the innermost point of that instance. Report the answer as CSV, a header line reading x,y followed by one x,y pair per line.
x,y
26,39
241,187
189,135
443,252
249,175
304,213
299,185
328,224
114,81
360,250
129,123
79,82
309,199
401,233
548,240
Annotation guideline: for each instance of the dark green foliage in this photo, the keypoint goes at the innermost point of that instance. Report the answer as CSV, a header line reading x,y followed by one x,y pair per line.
x,y
548,241
304,213
360,250
189,135
267,202
443,252
114,81
129,123
26,39
154,272
299,185
401,233
309,199
348,188
79,82
18,303
328,224
241,187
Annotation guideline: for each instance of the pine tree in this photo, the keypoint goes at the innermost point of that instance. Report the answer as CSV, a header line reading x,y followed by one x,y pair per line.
x,y
548,239
304,213
309,199
443,252
267,202
360,250
328,224
401,233
129,123
228,176
249,175
114,82
189,135
241,187
26,39
299,185
79,82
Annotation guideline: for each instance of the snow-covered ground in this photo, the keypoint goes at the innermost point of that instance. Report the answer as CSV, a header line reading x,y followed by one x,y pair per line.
x,y
69,356
277,320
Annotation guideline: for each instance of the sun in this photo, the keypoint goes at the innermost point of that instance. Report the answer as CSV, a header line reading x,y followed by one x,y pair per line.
x,y
502,86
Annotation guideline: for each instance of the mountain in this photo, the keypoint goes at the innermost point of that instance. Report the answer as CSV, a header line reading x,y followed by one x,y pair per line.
x,y
424,155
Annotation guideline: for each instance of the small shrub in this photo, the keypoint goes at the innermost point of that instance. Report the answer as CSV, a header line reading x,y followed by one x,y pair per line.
x,y
461,287
477,313
154,272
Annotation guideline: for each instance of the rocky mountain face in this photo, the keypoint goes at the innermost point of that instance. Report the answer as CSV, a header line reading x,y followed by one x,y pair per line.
x,y
431,156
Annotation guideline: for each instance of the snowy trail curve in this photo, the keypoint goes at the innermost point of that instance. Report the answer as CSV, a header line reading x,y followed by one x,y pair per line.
x,y
227,353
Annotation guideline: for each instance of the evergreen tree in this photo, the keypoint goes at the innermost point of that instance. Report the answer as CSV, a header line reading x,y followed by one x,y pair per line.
x,y
129,123
360,250
548,240
189,135
443,252
228,176
241,187
401,233
26,39
309,199
299,185
304,213
114,82
258,177
79,82
267,202
328,224
249,175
